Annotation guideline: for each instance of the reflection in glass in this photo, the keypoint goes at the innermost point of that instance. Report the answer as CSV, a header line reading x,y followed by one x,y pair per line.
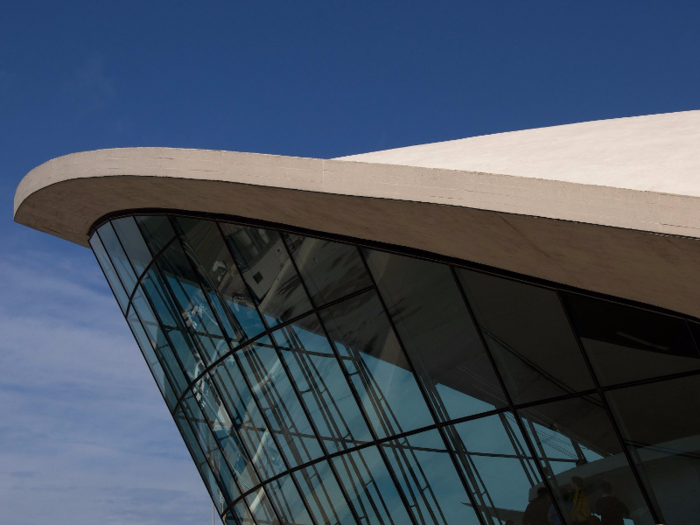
x,y
323,495
109,272
628,344
192,305
133,243
286,500
495,459
260,507
320,380
373,358
278,400
370,488
331,270
660,423
157,231
438,334
427,477
205,245
575,440
529,336
119,259
267,269
245,413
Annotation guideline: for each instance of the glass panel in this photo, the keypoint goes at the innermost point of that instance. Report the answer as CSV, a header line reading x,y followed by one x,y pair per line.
x,y
252,428
163,324
225,432
323,387
279,402
578,447
133,243
116,254
260,507
268,270
200,460
628,344
503,478
438,334
428,479
529,336
210,448
239,515
287,501
369,487
323,495
191,303
148,349
372,356
660,424
331,270
109,271
156,230
208,249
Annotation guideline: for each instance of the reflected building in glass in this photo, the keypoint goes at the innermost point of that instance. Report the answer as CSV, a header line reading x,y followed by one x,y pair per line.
x,y
345,373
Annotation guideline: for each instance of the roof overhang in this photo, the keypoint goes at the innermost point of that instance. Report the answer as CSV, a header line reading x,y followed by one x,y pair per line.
x,y
622,239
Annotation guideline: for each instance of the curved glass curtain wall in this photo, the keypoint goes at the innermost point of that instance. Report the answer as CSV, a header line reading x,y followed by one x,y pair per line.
x,y
322,382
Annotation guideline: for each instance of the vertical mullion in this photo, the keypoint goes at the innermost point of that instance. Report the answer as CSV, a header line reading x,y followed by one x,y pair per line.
x,y
649,499
509,400
422,390
354,392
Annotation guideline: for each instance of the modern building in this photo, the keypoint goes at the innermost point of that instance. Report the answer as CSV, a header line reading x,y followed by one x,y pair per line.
x,y
494,330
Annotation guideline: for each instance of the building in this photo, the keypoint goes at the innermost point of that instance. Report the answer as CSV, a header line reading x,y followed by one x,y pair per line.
x,y
473,331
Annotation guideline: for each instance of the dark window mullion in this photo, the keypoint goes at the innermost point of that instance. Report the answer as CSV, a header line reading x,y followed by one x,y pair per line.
x,y
630,455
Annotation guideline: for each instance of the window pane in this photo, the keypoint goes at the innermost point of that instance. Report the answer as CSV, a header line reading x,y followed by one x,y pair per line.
x,y
503,478
252,428
109,271
260,507
323,495
277,399
156,230
133,243
153,356
268,270
285,497
323,387
660,424
369,486
225,433
438,334
191,303
628,344
428,479
165,326
331,270
529,336
577,445
116,254
374,360
210,448
219,498
207,248
239,515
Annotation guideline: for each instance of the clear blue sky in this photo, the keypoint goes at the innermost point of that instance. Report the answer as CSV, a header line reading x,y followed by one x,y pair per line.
x,y
84,437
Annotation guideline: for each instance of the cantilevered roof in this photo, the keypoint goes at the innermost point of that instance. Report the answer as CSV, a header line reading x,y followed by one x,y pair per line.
x,y
610,206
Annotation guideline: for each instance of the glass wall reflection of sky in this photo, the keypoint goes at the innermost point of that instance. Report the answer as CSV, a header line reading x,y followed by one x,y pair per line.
x,y
320,382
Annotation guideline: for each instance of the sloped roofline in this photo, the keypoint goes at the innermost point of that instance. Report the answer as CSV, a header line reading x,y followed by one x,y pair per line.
x,y
610,231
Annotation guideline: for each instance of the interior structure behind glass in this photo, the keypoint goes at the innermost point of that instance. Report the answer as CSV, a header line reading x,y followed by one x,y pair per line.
x,y
322,381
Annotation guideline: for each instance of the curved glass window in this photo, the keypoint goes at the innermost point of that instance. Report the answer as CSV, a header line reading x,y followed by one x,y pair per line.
x,y
323,382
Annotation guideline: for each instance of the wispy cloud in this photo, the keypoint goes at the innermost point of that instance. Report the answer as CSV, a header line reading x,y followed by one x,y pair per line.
x,y
90,87
84,430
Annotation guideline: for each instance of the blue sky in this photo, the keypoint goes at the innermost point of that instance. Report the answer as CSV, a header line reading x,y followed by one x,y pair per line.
x,y
84,435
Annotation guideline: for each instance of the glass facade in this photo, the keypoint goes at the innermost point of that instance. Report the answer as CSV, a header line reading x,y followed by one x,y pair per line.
x,y
319,381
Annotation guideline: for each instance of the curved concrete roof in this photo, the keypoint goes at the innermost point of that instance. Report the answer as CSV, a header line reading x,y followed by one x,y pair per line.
x,y
582,204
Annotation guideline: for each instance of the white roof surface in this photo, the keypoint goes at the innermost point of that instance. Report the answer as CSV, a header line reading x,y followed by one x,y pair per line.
x,y
659,153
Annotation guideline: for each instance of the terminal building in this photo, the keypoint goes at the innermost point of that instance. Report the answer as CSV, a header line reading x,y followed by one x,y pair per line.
x,y
498,330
